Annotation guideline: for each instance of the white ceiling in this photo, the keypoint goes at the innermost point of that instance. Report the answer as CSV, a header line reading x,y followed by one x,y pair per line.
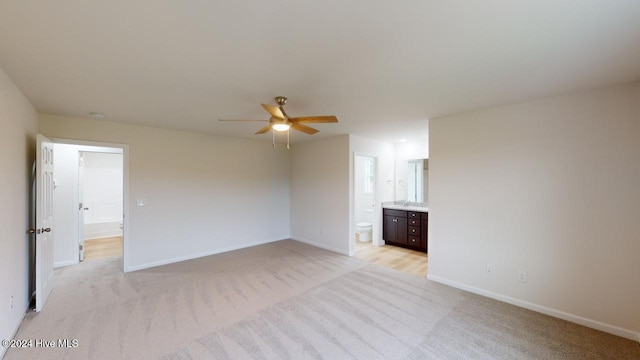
x,y
382,67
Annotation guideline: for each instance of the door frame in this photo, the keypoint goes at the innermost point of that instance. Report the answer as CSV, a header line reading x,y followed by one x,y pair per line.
x,y
125,188
376,236
79,218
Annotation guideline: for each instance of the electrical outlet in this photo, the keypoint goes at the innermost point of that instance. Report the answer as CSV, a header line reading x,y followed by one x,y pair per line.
x,y
11,302
522,276
489,269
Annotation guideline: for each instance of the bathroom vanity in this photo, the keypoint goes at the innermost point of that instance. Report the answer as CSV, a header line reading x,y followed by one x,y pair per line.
x,y
405,226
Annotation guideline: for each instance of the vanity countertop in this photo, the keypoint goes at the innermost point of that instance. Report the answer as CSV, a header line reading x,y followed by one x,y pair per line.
x,y
406,208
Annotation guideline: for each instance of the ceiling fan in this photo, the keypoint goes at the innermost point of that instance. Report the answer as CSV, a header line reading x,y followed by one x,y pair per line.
x,y
281,122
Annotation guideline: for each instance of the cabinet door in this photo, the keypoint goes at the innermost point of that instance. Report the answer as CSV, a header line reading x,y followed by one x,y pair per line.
x,y
389,229
395,230
401,231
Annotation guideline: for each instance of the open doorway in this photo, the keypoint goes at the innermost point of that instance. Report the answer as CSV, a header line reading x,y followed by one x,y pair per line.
x,y
100,191
89,198
364,205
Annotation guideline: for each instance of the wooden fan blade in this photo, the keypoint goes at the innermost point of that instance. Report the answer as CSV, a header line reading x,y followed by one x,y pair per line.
x,y
304,129
274,111
239,120
314,119
263,130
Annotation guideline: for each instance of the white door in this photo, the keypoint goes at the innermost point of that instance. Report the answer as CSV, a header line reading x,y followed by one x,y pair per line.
x,y
44,220
81,205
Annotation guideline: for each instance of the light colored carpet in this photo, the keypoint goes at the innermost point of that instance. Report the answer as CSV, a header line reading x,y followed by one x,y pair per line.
x,y
288,300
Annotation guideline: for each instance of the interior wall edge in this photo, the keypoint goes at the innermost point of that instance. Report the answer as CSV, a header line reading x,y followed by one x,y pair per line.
x,y
320,245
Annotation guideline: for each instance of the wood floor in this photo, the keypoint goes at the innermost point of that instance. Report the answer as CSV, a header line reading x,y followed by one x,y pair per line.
x,y
405,260
103,247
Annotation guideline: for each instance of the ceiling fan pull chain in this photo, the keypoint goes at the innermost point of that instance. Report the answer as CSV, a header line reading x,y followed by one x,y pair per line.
x,y
288,139
274,138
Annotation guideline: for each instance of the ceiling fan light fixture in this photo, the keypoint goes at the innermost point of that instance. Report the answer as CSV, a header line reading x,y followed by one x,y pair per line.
x,y
280,126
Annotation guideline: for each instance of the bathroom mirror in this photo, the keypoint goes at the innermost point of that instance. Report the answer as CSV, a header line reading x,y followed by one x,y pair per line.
x,y
413,180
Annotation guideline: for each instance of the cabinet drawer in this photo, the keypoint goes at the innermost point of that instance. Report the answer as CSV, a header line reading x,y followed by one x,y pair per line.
x,y
413,215
396,213
414,231
413,241
414,222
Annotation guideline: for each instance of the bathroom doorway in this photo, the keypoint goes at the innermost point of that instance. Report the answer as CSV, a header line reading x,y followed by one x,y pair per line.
x,y
365,200
100,192
90,193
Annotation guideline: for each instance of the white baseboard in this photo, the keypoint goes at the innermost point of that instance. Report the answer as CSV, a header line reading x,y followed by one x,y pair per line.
x,y
199,255
320,245
594,324
65,263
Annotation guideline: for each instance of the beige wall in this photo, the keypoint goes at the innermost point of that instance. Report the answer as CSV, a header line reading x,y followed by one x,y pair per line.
x,y
550,187
203,194
320,193
18,128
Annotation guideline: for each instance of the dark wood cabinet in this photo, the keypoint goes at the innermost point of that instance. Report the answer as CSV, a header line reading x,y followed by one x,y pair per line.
x,y
414,241
395,228
405,228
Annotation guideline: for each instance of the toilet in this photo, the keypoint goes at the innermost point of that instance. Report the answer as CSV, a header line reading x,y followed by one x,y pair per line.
x,y
364,228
